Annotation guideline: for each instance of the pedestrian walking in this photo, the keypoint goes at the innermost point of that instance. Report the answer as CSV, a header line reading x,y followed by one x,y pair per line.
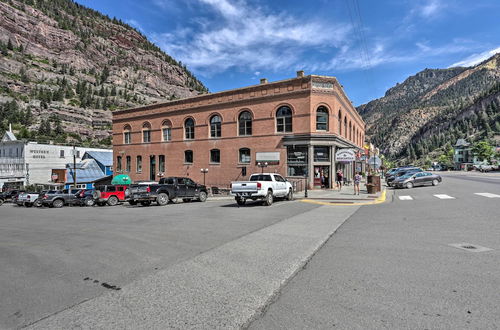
x,y
340,179
357,180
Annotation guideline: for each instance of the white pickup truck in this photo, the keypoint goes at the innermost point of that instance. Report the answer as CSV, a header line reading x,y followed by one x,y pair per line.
x,y
266,186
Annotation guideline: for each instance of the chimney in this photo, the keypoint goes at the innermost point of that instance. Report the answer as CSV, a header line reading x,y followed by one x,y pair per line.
x,y
263,80
300,74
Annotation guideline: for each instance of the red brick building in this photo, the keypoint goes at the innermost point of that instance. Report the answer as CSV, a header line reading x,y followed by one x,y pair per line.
x,y
295,126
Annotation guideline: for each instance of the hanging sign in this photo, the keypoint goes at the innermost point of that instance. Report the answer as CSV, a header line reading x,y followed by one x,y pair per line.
x,y
345,155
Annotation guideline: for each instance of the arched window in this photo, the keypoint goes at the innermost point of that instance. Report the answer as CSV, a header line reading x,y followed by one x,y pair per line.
x,y
245,157
284,119
189,129
127,135
340,123
146,133
215,126
188,156
322,119
166,131
215,156
245,123
345,127
350,131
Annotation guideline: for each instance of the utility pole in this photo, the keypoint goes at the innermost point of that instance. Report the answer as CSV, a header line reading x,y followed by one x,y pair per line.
x,y
74,166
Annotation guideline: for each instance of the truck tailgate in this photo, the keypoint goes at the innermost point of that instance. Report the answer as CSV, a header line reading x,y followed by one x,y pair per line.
x,y
244,187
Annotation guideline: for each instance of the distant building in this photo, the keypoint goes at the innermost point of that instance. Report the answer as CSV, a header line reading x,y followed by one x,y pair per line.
x,y
95,166
30,163
462,156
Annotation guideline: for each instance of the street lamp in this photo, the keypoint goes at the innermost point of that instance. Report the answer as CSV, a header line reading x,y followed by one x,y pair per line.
x,y
204,171
262,165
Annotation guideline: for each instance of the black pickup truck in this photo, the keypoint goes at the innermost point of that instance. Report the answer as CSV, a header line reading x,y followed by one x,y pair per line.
x,y
59,198
166,190
9,195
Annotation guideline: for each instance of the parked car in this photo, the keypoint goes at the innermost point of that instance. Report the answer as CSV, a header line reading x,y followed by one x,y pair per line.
x,y
400,172
111,194
59,198
28,199
86,197
10,195
413,179
167,190
266,186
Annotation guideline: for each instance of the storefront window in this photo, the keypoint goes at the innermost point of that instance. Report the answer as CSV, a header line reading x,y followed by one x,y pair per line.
x,y
297,161
321,154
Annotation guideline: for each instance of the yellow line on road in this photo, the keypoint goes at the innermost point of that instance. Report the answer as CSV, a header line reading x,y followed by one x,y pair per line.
x,y
379,200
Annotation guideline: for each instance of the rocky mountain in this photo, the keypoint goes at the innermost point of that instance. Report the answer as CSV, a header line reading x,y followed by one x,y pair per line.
x,y
65,67
429,111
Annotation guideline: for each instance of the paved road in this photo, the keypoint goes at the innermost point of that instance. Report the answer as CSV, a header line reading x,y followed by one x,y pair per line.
x,y
390,266
52,259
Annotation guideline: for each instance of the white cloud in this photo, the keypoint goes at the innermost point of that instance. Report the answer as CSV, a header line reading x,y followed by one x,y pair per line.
x,y
476,58
249,37
431,8
135,24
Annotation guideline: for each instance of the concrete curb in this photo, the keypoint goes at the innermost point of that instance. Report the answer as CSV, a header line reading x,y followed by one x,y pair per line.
x,y
379,200
226,287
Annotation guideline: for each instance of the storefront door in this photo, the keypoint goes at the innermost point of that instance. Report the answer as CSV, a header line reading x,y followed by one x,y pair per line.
x,y
322,177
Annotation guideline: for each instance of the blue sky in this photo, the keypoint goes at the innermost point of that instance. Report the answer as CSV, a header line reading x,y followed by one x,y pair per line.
x,y
368,45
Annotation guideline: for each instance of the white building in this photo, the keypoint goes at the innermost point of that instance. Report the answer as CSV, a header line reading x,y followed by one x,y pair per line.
x,y
25,163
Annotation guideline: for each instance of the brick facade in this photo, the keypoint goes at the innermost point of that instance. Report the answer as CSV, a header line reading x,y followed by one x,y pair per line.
x,y
302,95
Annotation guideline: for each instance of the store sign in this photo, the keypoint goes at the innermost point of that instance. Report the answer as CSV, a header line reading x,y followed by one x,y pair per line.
x,y
345,155
267,157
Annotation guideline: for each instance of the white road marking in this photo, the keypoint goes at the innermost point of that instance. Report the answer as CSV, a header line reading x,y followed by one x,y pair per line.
x,y
489,195
405,198
442,196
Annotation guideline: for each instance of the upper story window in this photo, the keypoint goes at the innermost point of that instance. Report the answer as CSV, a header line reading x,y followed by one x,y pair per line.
x,y
245,123
340,123
166,131
345,126
245,157
146,133
188,156
284,119
215,156
61,153
161,163
322,119
215,126
118,163
189,129
127,135
350,131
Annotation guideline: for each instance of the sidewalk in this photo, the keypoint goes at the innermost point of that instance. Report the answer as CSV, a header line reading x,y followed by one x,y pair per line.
x,y
344,196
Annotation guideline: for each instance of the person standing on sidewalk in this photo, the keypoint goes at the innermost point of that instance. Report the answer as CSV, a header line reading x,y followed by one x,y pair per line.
x,y
340,179
357,180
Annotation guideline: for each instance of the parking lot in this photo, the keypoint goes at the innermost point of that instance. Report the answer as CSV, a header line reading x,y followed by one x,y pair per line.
x,y
55,258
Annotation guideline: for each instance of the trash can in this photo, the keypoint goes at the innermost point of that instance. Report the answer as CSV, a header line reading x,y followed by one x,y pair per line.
x,y
370,187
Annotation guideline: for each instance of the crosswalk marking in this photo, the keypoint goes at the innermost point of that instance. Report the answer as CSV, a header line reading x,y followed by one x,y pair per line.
x,y
489,195
405,198
443,196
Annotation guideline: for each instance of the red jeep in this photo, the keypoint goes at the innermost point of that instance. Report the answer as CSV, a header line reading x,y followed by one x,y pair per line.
x,y
112,194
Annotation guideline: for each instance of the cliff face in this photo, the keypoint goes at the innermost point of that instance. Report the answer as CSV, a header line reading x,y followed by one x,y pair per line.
x,y
434,108
71,65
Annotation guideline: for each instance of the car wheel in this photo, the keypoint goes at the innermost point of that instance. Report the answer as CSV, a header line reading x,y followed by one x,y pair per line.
x,y
289,196
203,196
240,201
435,182
112,200
269,198
132,202
58,203
37,203
89,202
146,203
162,199
409,185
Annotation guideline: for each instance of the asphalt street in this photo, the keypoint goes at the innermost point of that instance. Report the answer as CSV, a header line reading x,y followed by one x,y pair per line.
x,y
391,266
52,259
